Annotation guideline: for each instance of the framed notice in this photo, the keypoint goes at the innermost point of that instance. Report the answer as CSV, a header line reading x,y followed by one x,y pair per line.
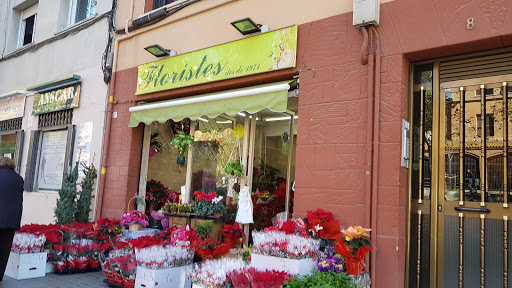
x,y
51,160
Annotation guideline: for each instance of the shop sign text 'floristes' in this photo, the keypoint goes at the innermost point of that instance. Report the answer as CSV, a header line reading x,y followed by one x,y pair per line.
x,y
261,53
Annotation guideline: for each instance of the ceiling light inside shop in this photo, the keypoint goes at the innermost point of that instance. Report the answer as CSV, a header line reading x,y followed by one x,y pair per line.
x,y
241,114
202,119
280,118
224,122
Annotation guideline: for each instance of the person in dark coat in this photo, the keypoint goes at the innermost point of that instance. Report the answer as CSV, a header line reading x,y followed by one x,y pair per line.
x,y
11,206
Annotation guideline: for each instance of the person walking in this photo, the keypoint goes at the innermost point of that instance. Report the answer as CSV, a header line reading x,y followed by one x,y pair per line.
x,y
11,206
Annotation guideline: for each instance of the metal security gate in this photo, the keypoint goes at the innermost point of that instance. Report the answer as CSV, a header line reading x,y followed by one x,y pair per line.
x,y
459,213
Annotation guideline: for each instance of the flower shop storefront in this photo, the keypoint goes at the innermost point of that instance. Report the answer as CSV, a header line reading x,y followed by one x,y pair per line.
x,y
234,146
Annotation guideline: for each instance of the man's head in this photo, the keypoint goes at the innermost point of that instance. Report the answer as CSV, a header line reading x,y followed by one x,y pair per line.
x,y
4,161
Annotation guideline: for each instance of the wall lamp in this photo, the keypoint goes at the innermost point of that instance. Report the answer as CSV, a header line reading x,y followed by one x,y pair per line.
x,y
247,26
159,51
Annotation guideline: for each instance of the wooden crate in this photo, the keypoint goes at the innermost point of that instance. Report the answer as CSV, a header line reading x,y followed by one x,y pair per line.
x,y
179,221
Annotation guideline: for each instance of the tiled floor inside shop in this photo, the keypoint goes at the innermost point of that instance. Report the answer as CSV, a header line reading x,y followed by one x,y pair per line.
x,y
52,280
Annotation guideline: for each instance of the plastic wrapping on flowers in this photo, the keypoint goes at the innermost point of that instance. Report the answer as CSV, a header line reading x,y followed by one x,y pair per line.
x,y
280,244
162,257
23,243
119,267
214,273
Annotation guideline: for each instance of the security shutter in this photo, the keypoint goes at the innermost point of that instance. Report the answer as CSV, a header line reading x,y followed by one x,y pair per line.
x,y
476,67
30,170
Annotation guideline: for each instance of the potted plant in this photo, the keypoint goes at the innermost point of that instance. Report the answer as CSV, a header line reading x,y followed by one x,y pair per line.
x,y
233,234
353,247
157,193
182,141
207,204
204,229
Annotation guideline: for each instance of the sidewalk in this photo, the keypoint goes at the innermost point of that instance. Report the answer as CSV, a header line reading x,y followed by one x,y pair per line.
x,y
52,280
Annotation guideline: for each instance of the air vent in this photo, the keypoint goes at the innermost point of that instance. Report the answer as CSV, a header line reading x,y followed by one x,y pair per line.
x,y
491,65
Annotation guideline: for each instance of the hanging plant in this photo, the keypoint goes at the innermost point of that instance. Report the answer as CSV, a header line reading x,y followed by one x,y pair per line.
x,y
182,141
235,169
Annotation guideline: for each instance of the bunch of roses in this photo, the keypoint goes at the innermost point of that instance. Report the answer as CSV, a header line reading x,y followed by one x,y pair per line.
x,y
280,244
329,260
213,273
253,278
28,243
162,257
119,268
135,217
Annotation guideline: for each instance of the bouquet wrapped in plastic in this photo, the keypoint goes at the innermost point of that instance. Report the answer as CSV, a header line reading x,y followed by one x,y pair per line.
x,y
280,244
162,257
83,248
28,243
97,249
72,253
119,267
213,273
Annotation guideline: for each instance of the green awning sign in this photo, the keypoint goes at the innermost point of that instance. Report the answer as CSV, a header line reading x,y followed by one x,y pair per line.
x,y
56,100
265,52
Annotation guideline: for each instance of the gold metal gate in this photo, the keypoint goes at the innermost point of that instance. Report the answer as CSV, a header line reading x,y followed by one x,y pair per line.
x,y
460,173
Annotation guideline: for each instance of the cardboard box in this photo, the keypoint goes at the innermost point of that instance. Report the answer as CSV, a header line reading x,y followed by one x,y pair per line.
x,y
170,277
49,267
197,286
292,266
26,266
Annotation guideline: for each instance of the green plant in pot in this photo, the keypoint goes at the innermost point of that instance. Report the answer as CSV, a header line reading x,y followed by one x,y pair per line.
x,y
182,141
204,229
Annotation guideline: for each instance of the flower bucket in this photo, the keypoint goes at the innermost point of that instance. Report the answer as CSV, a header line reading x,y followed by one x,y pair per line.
x,y
134,227
180,160
230,242
354,267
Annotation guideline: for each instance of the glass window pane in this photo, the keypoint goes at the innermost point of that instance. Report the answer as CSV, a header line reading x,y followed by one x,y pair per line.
x,y
51,160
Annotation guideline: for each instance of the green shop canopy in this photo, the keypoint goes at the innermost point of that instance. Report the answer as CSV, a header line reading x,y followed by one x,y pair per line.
x,y
252,99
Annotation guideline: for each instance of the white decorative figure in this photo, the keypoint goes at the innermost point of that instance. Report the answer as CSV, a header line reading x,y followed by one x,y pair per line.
x,y
244,215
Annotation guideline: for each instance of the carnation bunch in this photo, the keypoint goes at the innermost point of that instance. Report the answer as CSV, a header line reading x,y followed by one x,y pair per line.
x,y
280,244
162,257
214,273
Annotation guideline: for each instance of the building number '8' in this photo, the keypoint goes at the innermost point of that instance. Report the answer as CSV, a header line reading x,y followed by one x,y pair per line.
x,y
470,23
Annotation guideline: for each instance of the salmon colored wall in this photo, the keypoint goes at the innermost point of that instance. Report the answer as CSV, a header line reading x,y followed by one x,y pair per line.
x,y
331,168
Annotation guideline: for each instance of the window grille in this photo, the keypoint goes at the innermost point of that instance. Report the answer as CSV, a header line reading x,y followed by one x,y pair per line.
x,y
11,124
54,119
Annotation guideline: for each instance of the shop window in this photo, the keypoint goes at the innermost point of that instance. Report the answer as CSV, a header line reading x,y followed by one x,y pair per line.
x,y
11,140
27,29
49,156
268,147
160,3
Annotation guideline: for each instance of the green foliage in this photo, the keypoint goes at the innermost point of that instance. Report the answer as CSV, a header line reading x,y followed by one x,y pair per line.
x,y
320,280
182,141
154,142
66,206
204,229
83,204
267,178
206,208
234,169
218,208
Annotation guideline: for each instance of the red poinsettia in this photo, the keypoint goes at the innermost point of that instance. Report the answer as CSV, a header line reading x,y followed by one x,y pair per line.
x,y
250,277
144,241
210,248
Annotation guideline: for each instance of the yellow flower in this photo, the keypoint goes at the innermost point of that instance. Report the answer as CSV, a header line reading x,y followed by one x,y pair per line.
x,y
355,233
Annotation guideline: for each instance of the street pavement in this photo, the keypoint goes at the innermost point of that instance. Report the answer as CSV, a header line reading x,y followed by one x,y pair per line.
x,y
52,280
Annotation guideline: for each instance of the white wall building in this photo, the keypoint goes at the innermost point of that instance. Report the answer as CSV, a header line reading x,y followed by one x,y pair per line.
x,y
54,65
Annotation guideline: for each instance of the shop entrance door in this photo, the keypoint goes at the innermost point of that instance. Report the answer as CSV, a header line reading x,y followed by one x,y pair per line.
x,y
460,178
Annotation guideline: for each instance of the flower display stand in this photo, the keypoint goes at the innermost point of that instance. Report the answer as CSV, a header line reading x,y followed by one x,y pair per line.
x,y
26,266
171,277
361,281
179,220
292,266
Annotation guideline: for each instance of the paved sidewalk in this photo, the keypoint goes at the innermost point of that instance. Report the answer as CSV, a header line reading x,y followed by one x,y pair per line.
x,y
52,280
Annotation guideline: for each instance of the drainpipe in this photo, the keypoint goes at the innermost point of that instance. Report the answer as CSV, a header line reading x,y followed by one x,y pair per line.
x,y
369,135
376,144
108,124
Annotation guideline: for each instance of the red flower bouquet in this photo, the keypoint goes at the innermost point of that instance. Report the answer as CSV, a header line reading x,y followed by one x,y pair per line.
x,y
353,247
59,256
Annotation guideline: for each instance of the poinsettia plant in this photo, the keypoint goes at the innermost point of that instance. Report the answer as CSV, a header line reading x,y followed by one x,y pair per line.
x,y
321,224
107,228
253,278
210,248
207,204
353,247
